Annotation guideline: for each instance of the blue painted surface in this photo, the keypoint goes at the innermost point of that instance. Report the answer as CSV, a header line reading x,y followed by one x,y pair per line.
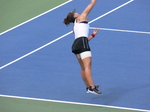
x,y
121,61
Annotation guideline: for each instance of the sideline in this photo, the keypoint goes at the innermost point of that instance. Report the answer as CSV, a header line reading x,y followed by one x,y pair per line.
x,y
35,17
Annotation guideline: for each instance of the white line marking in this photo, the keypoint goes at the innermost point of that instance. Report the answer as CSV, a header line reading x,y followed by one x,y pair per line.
x,y
111,11
35,17
130,31
35,50
77,103
61,37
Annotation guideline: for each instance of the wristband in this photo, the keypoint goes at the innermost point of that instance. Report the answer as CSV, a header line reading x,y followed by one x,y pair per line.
x,y
93,35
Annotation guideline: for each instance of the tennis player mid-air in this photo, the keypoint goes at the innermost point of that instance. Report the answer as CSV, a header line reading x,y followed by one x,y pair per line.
x,y
81,46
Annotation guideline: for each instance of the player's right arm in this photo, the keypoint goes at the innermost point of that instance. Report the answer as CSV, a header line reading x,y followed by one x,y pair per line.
x,y
88,8
84,14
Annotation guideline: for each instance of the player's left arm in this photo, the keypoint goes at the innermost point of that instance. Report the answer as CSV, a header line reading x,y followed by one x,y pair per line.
x,y
93,34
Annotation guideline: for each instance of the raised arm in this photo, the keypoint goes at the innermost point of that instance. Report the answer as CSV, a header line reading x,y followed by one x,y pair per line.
x,y
88,8
84,15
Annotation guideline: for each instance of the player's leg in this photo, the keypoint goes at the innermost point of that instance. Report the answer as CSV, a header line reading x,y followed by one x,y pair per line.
x,y
88,76
82,70
85,60
87,70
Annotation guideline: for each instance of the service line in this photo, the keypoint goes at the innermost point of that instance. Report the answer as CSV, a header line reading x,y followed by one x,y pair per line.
x,y
119,30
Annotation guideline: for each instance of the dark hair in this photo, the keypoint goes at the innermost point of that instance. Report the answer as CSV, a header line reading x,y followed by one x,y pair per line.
x,y
70,18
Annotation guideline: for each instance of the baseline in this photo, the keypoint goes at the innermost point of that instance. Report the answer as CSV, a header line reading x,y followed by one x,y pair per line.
x,y
76,103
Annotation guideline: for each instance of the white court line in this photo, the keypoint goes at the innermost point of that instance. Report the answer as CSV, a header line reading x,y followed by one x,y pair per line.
x,y
130,31
35,17
35,50
112,11
53,42
77,103
62,36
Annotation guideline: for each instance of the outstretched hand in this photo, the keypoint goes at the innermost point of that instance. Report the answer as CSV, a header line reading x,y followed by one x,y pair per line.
x,y
96,31
93,34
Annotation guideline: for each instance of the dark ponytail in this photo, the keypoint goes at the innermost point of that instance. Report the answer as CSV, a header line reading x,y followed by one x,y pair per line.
x,y
66,21
70,18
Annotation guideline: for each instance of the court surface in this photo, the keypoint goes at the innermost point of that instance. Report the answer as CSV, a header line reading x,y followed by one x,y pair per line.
x,y
38,72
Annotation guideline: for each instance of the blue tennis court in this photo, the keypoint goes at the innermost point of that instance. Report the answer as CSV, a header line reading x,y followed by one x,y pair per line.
x,y
36,59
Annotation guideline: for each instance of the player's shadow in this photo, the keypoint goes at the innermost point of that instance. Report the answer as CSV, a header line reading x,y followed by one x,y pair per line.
x,y
114,94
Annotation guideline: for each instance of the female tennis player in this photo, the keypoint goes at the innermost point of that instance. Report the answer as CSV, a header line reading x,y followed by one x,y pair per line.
x,y
81,46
